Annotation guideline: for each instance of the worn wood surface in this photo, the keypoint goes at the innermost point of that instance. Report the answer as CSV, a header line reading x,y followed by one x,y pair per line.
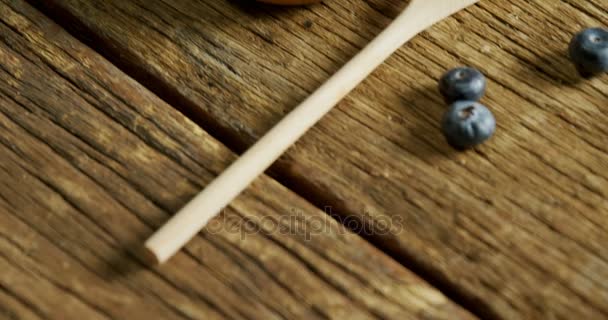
x,y
91,162
516,228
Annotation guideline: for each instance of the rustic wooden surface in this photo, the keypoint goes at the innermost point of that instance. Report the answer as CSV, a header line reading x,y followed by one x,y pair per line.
x,y
514,229
92,162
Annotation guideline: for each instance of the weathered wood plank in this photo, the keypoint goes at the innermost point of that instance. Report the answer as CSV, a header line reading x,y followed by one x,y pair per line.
x,y
516,227
12,308
91,162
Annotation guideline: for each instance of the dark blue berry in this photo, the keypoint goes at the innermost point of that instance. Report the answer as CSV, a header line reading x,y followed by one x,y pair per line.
x,y
589,51
462,84
467,124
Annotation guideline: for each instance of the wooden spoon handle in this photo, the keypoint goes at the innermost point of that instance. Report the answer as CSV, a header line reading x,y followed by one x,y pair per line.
x,y
418,16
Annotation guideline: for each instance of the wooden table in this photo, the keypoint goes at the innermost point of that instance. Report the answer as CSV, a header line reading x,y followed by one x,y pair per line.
x,y
114,113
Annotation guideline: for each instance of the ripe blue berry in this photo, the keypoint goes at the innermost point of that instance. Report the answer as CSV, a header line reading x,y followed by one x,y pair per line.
x,y
589,51
462,84
467,124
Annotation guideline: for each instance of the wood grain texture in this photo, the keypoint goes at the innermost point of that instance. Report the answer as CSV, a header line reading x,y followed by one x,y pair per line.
x,y
91,162
516,227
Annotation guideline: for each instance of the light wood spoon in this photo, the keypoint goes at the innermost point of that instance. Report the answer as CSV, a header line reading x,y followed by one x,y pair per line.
x,y
418,16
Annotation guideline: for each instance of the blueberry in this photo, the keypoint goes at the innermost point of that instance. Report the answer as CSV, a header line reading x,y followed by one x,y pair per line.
x,y
467,124
462,84
589,51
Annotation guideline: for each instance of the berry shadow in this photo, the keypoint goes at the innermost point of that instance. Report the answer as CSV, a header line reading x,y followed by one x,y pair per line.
x,y
425,108
557,67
